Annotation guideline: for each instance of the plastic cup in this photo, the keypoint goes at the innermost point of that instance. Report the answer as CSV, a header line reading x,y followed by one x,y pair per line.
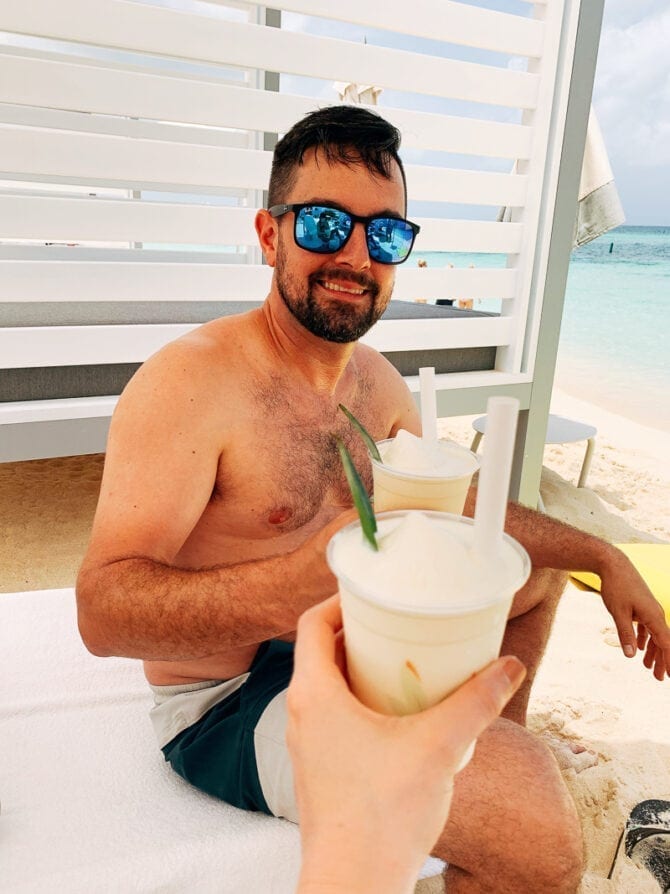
x,y
402,657
396,489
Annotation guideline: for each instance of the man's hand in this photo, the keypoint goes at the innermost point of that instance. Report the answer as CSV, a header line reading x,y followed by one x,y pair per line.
x,y
628,600
374,791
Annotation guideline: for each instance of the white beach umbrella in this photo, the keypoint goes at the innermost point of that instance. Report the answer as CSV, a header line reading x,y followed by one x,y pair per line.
x,y
359,94
598,204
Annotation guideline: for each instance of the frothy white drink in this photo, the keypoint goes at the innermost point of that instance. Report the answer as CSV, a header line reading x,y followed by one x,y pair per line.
x,y
426,611
425,562
407,453
418,474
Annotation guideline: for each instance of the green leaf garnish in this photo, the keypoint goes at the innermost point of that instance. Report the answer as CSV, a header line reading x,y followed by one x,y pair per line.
x,y
367,437
359,494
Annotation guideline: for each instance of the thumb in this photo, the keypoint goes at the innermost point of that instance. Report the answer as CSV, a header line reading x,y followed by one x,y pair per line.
x,y
473,707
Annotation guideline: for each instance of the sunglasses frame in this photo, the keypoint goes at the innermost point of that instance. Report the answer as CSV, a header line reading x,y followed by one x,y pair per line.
x,y
297,207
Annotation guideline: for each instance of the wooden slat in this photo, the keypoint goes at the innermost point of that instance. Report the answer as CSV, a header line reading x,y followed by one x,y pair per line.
x,y
81,345
428,183
107,220
142,255
86,87
40,346
443,282
91,281
135,164
118,281
66,408
497,381
114,23
468,236
82,85
57,119
467,136
406,335
436,20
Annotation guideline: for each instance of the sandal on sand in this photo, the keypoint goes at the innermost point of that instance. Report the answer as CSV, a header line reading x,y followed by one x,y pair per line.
x,y
647,840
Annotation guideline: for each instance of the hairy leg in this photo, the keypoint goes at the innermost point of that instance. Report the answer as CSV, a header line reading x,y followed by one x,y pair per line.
x,y
513,828
528,630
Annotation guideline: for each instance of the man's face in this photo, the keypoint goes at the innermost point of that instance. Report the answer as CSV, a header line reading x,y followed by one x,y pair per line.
x,y
337,297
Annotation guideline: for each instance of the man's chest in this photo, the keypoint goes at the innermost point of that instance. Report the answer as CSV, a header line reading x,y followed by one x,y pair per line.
x,y
283,478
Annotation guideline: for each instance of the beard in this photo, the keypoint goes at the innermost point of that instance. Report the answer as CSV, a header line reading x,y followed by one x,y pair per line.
x,y
337,321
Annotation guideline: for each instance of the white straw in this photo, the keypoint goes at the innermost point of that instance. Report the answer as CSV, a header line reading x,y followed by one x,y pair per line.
x,y
428,403
494,474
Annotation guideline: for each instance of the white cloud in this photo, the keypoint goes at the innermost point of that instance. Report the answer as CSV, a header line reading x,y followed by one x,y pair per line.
x,y
632,90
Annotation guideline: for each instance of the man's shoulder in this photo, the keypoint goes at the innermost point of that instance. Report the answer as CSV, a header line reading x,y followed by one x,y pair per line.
x,y
371,362
388,389
209,346
195,368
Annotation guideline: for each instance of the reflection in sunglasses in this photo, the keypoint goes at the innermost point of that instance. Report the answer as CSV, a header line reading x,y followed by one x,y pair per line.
x,y
325,230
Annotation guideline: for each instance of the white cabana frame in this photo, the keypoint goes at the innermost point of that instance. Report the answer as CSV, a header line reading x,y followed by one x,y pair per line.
x,y
143,135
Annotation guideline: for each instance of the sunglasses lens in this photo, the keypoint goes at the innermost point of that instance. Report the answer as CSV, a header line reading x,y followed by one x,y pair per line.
x,y
325,230
389,240
321,229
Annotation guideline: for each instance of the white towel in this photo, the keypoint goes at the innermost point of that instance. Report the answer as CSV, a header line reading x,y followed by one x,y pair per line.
x,y
87,802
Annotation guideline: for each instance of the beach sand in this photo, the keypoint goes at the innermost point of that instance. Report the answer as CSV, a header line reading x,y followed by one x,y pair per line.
x,y
586,691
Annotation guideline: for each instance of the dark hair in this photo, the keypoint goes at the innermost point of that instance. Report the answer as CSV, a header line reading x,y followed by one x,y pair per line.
x,y
346,134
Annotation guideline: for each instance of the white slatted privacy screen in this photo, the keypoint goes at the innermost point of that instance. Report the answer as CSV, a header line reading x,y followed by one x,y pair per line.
x,y
135,146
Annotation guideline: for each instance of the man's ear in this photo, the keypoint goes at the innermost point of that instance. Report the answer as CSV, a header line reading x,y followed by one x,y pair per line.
x,y
266,228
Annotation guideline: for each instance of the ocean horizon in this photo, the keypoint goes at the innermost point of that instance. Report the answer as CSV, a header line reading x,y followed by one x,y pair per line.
x,y
612,350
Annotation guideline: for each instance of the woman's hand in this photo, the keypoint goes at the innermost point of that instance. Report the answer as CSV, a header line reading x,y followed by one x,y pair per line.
x,y
374,791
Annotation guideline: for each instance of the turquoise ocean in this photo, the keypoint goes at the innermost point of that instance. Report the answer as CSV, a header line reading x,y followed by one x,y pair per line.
x,y
614,347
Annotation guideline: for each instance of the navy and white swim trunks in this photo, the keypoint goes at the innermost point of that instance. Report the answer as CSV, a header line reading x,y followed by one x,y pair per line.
x,y
228,738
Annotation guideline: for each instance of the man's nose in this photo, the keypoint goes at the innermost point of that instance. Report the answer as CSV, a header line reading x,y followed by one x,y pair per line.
x,y
355,253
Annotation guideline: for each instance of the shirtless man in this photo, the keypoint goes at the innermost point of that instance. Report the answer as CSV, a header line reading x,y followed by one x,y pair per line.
x,y
222,487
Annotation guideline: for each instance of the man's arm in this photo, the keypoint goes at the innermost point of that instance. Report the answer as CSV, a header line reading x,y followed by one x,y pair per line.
x,y
552,544
141,608
163,453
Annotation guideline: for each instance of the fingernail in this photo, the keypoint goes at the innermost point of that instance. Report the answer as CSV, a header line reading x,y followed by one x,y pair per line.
x,y
515,671
628,650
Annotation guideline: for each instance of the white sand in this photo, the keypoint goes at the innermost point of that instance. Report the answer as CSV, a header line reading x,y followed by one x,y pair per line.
x,y
586,691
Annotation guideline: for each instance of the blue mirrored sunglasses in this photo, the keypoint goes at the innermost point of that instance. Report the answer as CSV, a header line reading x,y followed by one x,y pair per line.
x,y
325,230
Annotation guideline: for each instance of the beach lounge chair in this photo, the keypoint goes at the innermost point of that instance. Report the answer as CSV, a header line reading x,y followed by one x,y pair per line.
x,y
87,803
135,148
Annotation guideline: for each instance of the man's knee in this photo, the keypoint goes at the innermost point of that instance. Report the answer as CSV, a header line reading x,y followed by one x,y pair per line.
x,y
547,858
559,854
514,827
550,853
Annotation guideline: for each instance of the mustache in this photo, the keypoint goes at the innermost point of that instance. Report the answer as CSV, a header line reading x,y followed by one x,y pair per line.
x,y
360,279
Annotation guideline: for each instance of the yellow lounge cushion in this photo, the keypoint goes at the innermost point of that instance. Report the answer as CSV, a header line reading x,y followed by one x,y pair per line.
x,y
652,560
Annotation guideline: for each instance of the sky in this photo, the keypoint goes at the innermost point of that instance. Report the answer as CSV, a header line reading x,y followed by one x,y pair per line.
x,y
632,101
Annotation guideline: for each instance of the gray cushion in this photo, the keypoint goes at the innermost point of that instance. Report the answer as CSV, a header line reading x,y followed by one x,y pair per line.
x,y
46,383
